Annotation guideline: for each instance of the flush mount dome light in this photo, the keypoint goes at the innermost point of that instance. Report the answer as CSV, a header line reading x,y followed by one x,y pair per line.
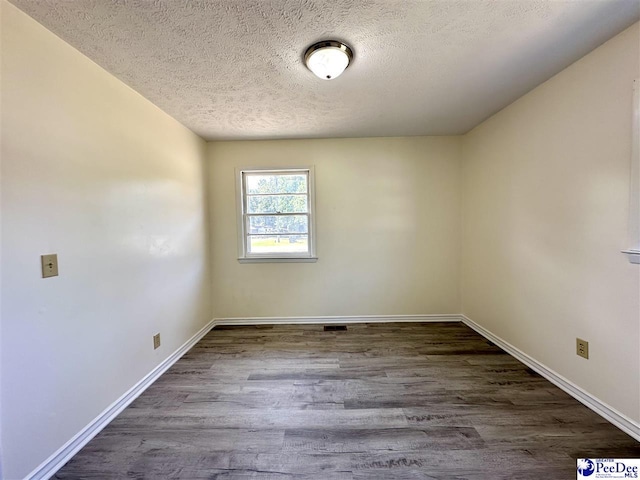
x,y
328,59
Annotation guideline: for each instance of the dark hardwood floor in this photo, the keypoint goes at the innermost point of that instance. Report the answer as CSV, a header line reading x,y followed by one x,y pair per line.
x,y
379,401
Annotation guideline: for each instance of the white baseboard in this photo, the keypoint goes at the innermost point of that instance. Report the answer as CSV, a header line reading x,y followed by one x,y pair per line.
x,y
337,319
49,467
609,413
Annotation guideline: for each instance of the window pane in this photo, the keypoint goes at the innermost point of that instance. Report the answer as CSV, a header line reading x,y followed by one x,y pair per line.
x,y
278,244
276,183
281,225
277,204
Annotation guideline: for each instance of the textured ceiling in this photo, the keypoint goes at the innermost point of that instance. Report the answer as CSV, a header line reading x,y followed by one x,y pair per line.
x,y
232,69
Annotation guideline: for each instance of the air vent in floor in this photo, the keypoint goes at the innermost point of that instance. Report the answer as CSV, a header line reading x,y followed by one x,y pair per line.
x,y
335,328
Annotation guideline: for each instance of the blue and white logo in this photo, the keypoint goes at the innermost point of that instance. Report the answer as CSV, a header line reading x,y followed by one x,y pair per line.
x,y
586,467
609,468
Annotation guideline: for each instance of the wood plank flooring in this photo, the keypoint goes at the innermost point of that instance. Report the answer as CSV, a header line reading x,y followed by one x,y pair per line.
x,y
379,401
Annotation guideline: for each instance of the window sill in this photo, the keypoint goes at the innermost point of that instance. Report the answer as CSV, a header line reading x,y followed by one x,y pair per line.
x,y
277,259
632,255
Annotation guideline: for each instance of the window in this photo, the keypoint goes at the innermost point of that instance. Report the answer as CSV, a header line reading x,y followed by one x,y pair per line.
x,y
275,215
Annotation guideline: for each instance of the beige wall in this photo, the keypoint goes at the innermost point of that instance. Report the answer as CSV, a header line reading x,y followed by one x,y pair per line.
x,y
545,205
387,222
97,174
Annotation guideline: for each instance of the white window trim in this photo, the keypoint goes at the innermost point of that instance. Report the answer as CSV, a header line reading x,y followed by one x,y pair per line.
x,y
246,257
633,253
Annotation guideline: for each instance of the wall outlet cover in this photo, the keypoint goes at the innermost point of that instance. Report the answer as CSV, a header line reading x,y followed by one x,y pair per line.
x,y
49,265
582,348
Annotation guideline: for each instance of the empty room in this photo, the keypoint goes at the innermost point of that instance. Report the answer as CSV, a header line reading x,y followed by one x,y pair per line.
x,y
296,239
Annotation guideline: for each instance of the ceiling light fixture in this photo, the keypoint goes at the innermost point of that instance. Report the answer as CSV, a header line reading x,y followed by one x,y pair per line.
x,y
328,59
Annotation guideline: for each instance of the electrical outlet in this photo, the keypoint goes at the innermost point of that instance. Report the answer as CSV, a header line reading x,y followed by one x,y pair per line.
x,y
156,341
582,348
49,265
